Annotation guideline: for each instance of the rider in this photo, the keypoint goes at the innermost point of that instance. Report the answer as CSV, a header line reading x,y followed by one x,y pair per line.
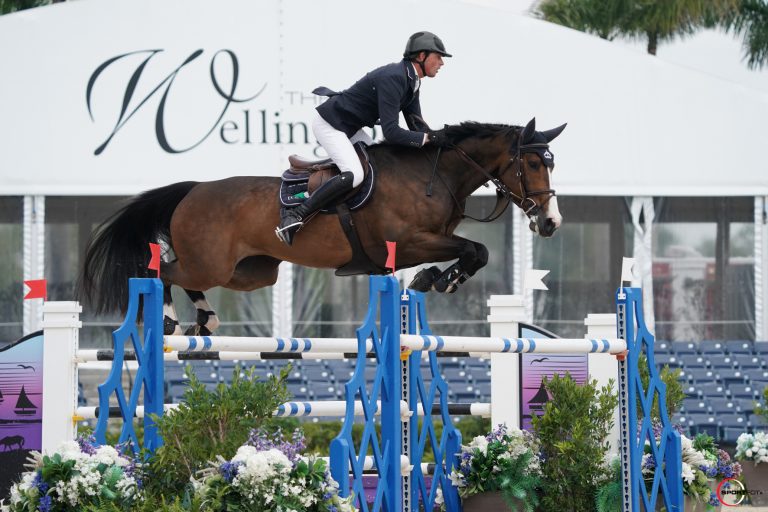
x,y
380,95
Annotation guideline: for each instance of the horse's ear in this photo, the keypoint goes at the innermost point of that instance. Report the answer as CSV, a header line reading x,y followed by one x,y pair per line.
x,y
554,132
528,131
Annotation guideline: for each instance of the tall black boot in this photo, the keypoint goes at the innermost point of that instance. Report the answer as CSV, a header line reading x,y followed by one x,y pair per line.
x,y
293,219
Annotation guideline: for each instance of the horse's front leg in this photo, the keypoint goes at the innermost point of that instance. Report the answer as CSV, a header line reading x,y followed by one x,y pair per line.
x,y
472,257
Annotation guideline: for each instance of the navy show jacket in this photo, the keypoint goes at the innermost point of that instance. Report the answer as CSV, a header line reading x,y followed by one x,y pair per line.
x,y
380,95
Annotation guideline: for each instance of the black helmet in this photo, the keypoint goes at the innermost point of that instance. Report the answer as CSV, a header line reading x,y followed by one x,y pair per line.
x,y
424,42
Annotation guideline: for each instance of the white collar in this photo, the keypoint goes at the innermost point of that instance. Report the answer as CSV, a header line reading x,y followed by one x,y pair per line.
x,y
418,80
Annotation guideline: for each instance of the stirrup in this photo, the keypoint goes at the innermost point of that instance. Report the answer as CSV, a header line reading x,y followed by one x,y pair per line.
x,y
285,234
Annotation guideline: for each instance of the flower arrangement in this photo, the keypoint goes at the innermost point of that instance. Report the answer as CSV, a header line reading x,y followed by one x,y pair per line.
x,y
80,474
703,462
271,476
505,460
753,447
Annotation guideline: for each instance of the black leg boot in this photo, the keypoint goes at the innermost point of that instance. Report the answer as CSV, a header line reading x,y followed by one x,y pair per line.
x,y
291,220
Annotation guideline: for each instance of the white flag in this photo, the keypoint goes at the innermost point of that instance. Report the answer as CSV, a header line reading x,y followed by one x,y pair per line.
x,y
627,265
532,279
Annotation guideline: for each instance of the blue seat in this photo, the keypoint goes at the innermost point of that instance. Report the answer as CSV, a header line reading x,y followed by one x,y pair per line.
x,y
757,423
739,346
662,347
476,362
450,362
742,391
479,375
712,347
694,405
699,375
693,361
692,391
702,423
684,347
711,389
670,360
455,375
756,374
745,406
722,406
298,391
720,360
761,348
732,376
748,361
731,426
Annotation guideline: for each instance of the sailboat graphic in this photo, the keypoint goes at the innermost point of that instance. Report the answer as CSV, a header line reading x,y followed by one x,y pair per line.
x,y
24,407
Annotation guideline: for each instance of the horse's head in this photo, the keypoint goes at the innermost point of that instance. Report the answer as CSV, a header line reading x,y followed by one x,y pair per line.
x,y
528,177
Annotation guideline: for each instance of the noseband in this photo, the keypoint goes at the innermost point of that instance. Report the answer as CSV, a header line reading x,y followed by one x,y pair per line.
x,y
503,193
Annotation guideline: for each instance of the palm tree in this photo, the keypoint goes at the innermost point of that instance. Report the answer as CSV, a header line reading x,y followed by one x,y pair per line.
x,y
9,6
654,21
751,22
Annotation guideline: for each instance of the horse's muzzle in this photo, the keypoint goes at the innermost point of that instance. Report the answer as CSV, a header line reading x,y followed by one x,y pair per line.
x,y
544,226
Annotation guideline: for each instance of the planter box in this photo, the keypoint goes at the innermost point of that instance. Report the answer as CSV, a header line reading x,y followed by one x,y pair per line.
x,y
489,502
755,478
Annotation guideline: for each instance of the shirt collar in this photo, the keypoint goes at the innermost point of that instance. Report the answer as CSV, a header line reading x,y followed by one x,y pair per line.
x,y
415,76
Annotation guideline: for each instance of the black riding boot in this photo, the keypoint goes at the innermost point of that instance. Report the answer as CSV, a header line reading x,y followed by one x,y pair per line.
x,y
291,220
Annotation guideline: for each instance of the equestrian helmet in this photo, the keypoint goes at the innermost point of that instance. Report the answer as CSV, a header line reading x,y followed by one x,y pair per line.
x,y
424,42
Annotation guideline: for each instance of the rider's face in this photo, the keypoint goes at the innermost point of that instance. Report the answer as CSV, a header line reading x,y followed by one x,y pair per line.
x,y
432,64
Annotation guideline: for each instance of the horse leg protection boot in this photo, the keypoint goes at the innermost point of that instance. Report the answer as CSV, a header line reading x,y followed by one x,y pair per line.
x,y
450,280
292,220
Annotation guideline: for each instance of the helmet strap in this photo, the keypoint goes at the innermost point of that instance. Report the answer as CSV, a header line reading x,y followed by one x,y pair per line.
x,y
421,63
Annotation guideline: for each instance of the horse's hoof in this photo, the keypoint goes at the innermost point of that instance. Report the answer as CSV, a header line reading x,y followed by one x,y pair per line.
x,y
424,279
171,327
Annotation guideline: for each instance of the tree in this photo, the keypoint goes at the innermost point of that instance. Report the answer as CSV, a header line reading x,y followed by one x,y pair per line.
x,y
750,21
9,6
654,21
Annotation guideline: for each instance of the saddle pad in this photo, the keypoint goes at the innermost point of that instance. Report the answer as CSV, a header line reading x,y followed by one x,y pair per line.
x,y
293,190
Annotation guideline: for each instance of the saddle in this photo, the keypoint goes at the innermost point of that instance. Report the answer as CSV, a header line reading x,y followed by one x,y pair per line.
x,y
305,176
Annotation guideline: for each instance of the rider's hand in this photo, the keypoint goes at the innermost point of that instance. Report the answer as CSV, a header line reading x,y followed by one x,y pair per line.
x,y
438,139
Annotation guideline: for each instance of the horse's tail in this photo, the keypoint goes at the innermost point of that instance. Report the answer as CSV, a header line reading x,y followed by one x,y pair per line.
x,y
119,247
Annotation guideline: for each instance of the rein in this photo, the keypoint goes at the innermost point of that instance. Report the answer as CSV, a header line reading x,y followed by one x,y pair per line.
x,y
503,194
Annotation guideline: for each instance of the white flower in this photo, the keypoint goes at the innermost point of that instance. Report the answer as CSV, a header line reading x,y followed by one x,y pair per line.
x,y
457,479
439,496
687,473
108,455
479,442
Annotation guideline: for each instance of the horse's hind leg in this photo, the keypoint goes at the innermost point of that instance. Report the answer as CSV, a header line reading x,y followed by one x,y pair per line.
x,y
206,321
170,320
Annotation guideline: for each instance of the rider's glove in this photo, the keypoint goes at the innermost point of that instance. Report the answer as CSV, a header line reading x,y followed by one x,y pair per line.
x,y
438,138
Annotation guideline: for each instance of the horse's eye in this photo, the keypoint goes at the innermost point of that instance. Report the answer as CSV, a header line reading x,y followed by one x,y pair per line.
x,y
534,165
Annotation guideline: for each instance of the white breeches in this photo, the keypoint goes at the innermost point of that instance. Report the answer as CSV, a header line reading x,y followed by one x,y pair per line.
x,y
339,147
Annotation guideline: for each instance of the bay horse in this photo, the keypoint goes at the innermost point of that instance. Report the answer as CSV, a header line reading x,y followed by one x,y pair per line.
x,y
222,232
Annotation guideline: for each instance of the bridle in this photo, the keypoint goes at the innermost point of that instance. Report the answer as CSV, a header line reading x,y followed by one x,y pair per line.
x,y
503,193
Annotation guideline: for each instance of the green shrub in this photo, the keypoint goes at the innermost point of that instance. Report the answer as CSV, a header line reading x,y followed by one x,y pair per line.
x,y
670,378
211,423
573,433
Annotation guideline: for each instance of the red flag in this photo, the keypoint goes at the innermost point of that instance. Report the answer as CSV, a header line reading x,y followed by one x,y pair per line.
x,y
391,249
37,289
154,261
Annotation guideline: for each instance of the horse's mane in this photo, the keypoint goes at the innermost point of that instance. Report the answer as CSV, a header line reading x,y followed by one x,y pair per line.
x,y
458,132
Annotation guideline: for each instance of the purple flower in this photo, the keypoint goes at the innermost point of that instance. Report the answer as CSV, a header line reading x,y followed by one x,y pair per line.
x,y
713,500
46,504
87,444
228,470
260,440
42,485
